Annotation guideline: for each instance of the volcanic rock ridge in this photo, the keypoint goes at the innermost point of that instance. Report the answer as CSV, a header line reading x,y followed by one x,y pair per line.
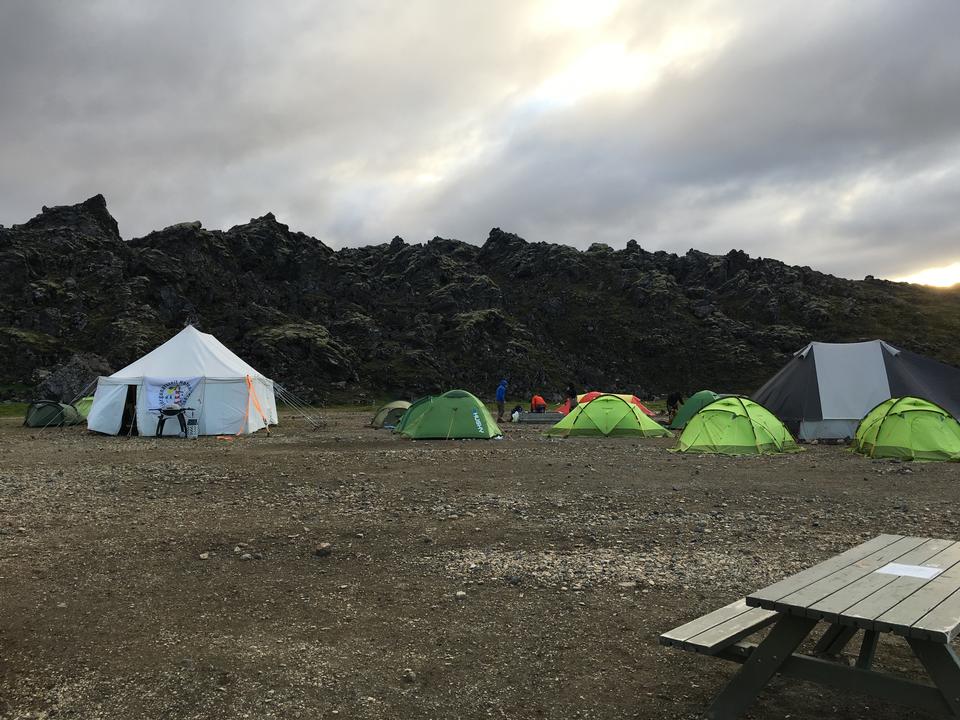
x,y
402,320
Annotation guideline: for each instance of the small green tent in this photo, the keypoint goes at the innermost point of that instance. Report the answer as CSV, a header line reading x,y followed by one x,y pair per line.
x,y
389,415
50,413
607,416
83,406
735,425
455,415
908,428
691,407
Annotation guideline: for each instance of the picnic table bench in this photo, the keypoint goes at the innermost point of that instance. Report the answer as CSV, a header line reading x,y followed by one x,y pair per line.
x,y
907,586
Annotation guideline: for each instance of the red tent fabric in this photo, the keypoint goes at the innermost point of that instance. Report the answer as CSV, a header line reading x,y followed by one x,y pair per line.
x,y
587,397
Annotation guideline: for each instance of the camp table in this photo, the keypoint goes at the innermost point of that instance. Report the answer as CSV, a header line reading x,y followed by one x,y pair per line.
x,y
908,586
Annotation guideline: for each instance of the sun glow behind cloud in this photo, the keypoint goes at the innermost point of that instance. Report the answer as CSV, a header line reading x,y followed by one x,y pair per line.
x,y
613,67
945,276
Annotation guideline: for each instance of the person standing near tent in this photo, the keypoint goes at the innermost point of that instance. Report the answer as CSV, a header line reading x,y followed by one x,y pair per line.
x,y
674,401
501,399
571,395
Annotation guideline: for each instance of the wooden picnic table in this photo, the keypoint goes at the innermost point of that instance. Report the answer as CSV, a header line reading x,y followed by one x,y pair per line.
x,y
907,586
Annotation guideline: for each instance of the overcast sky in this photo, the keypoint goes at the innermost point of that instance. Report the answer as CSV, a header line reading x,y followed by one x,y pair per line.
x,y
822,133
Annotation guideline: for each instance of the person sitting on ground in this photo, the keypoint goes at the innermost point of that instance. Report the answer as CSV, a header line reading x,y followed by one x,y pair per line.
x,y
501,398
538,404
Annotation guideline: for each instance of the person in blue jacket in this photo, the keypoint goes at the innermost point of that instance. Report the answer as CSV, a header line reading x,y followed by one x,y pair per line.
x,y
501,398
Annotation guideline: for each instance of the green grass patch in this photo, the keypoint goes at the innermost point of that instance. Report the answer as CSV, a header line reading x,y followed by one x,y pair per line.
x,y
13,409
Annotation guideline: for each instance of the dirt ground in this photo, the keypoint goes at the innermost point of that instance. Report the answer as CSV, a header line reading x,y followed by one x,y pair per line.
x,y
180,579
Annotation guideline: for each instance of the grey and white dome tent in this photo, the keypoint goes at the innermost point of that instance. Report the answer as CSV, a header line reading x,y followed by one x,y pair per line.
x,y
824,391
192,369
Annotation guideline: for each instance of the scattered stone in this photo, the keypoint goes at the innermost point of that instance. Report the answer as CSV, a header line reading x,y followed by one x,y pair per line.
x,y
629,585
409,676
324,549
461,594
246,556
204,556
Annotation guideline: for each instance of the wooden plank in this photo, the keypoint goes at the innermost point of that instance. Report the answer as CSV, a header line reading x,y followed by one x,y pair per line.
x,y
799,601
720,636
901,617
865,598
865,612
678,635
768,596
940,624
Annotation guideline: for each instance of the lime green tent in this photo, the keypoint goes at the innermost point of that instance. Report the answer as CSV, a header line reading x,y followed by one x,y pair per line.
x,y
455,415
50,413
908,428
691,407
607,416
735,425
389,415
83,406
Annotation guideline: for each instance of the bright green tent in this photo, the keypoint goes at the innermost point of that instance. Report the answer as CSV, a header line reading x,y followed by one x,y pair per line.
x,y
390,414
83,406
908,428
691,407
607,416
735,425
50,413
455,415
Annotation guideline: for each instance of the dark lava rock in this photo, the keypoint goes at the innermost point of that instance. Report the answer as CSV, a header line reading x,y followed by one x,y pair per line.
x,y
402,320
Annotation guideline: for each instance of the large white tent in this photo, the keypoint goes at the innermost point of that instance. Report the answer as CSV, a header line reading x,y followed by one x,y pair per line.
x,y
195,370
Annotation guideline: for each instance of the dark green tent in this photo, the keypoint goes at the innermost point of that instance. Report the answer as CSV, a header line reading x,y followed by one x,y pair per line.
x,y
49,413
455,415
691,407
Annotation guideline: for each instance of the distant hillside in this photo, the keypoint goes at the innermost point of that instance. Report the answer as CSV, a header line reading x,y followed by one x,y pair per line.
x,y
400,319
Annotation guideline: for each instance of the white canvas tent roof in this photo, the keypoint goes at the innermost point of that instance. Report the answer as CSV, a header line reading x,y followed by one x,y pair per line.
x,y
222,392
189,353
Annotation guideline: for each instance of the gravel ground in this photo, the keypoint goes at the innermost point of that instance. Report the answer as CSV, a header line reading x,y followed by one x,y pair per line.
x,y
522,578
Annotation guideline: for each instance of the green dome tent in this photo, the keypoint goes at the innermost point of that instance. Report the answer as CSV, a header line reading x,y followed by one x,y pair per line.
x,y
691,407
735,425
49,413
607,416
83,406
455,415
390,414
908,428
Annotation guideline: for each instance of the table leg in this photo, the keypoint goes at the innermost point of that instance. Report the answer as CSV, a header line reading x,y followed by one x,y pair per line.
x,y
868,648
763,663
834,640
943,665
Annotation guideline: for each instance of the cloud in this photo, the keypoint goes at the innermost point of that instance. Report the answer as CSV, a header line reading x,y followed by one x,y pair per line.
x,y
821,134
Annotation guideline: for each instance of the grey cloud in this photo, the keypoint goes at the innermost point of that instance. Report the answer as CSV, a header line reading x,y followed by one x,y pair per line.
x,y
358,121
